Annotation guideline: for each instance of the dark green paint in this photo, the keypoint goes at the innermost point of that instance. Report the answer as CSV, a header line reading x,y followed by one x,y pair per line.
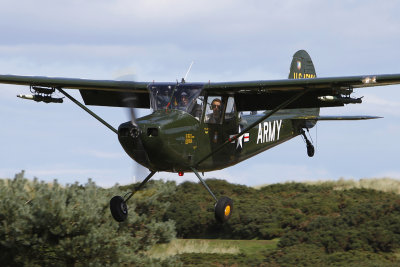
x,y
171,150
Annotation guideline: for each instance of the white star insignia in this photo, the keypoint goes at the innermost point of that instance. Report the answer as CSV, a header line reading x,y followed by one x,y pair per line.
x,y
239,140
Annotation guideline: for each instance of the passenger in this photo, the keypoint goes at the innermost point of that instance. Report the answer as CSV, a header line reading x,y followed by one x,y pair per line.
x,y
215,116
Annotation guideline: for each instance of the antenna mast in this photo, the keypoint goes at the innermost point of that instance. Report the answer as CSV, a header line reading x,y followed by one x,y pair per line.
x,y
184,79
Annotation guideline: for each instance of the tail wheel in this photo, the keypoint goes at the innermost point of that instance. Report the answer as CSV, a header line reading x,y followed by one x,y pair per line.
x,y
310,150
118,208
223,209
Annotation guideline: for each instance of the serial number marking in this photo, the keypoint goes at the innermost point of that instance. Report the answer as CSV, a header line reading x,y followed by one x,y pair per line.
x,y
188,139
302,76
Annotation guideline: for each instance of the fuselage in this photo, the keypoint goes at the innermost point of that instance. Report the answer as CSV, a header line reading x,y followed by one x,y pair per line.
x,y
175,139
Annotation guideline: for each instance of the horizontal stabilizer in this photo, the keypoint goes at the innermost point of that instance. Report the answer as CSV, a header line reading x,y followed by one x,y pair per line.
x,y
338,118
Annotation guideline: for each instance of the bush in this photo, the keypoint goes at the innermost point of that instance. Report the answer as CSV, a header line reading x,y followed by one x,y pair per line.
x,y
48,224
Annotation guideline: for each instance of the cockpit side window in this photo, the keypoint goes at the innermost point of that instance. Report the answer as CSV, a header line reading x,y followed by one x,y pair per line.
x,y
160,96
230,108
214,109
220,108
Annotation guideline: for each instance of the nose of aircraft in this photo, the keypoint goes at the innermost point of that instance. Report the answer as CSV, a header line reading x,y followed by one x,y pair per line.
x,y
128,130
159,141
129,137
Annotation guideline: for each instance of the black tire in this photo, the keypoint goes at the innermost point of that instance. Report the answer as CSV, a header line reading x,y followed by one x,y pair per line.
x,y
223,209
118,208
310,151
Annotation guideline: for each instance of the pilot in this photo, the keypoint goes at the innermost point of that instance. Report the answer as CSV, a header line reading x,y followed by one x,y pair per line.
x,y
163,98
183,101
215,116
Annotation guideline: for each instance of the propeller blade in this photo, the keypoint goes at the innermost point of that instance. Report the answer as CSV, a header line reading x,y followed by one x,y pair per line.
x,y
132,114
139,172
128,75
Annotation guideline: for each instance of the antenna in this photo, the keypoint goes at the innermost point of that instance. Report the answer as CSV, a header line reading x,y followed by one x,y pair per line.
x,y
184,79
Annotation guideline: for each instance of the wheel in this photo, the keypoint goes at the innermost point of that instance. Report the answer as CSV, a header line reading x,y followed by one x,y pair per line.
x,y
118,208
223,209
310,151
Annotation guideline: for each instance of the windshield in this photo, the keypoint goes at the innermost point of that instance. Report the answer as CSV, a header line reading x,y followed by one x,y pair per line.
x,y
184,97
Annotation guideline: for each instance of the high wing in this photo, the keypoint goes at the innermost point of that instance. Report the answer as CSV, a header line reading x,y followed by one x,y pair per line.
x,y
325,92
94,92
249,95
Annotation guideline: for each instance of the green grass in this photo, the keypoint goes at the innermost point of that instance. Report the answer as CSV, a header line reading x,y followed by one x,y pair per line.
x,y
254,248
251,248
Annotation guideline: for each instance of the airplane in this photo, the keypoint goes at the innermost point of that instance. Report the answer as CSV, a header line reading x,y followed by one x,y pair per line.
x,y
201,127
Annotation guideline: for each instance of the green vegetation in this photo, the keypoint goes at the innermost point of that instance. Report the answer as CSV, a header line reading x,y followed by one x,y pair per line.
x,y
51,225
315,224
293,224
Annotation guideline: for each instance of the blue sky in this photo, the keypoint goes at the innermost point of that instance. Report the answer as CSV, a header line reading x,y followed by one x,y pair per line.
x,y
228,41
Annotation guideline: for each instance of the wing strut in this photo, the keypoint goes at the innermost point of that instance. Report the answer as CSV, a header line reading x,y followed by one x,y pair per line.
x,y
87,110
281,106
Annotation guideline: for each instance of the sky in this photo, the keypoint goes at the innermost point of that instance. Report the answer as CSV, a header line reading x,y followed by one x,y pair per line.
x,y
228,41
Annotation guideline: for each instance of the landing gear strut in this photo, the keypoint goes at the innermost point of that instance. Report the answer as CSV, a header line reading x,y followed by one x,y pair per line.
x,y
310,147
118,207
223,207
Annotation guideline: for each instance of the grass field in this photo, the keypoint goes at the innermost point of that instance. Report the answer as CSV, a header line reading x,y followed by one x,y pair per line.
x,y
389,185
382,184
250,248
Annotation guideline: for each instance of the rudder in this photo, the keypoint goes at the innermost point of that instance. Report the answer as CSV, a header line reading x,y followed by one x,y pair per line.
x,y
302,66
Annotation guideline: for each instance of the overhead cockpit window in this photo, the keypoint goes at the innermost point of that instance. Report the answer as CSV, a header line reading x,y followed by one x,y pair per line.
x,y
183,97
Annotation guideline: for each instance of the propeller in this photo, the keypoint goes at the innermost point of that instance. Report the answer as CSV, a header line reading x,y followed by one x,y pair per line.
x,y
139,172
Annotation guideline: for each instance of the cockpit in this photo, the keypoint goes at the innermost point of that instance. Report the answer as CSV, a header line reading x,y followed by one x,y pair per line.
x,y
189,98
185,97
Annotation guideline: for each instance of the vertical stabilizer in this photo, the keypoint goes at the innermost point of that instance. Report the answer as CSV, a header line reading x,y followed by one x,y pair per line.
x,y
302,66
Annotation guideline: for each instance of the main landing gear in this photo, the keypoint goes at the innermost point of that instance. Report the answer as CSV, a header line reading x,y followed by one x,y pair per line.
x,y
119,210
223,207
118,207
310,147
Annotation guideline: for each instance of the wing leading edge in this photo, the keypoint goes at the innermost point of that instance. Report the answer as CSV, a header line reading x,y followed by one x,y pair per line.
x,y
249,95
72,83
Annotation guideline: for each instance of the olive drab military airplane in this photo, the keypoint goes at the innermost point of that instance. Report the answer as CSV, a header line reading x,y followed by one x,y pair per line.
x,y
201,127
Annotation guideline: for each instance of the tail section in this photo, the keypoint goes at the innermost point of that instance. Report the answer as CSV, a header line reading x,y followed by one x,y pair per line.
x,y
302,66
